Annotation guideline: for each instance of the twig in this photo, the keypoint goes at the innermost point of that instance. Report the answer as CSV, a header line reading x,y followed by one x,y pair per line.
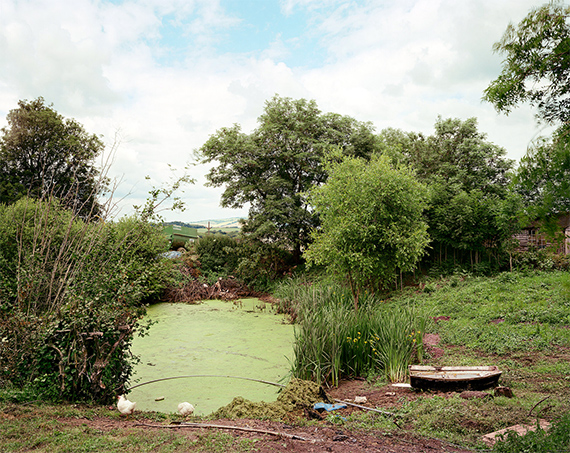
x,y
532,408
390,414
238,428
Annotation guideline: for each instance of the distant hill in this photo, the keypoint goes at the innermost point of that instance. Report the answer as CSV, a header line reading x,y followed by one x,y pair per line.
x,y
230,222
215,224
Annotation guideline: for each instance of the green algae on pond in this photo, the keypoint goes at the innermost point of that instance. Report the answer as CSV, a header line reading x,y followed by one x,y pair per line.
x,y
211,338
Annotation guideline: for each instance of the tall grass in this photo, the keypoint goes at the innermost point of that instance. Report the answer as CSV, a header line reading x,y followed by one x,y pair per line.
x,y
333,340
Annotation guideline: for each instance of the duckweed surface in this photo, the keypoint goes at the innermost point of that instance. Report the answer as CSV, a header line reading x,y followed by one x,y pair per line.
x,y
213,338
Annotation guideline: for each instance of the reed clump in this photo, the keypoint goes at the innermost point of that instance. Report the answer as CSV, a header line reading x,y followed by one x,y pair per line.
x,y
333,340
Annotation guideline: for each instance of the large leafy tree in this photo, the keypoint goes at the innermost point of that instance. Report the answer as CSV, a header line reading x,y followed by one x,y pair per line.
x,y
466,176
371,222
536,68
272,167
543,177
43,154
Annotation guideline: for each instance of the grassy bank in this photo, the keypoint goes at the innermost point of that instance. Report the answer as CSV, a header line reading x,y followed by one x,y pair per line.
x,y
519,322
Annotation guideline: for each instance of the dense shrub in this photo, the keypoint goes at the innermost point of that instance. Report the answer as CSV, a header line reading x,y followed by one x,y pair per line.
x,y
261,265
71,296
218,254
542,259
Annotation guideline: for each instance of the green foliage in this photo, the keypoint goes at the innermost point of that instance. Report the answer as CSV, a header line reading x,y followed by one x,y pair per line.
x,y
272,167
536,64
543,181
332,340
536,70
43,154
261,265
541,259
371,222
557,438
218,254
159,195
471,214
71,297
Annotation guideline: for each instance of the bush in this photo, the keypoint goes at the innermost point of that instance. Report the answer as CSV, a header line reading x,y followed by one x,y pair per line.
x,y
543,259
72,293
261,265
218,254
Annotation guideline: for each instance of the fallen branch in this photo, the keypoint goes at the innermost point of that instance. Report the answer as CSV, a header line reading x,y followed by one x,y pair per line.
x,y
532,408
237,428
366,408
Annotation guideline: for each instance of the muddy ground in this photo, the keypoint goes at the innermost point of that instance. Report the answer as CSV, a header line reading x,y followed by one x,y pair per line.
x,y
302,430
292,436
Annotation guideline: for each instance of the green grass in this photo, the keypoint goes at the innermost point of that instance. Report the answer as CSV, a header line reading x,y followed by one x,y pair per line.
x,y
55,429
511,312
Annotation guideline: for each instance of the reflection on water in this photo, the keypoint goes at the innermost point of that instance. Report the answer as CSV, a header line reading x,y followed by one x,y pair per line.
x,y
214,338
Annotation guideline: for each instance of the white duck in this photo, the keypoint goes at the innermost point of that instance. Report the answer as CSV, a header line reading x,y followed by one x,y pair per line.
x,y
125,406
185,408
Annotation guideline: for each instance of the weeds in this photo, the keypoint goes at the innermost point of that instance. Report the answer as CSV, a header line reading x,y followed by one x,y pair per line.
x,y
557,438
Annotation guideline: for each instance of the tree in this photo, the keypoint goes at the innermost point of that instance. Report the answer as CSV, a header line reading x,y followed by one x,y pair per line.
x,y
43,154
536,68
273,166
371,222
466,175
543,179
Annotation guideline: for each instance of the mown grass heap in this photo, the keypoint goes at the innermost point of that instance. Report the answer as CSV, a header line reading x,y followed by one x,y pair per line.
x,y
297,395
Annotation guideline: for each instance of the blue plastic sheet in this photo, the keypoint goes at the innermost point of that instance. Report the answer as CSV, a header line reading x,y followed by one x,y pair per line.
x,y
328,407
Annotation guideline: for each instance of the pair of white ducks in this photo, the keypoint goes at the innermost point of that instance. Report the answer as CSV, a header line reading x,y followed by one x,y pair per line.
x,y
127,407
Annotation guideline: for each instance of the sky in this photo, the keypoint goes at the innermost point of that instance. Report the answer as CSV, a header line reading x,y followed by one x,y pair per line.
x,y
156,78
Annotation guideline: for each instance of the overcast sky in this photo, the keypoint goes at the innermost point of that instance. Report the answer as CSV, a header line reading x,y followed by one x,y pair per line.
x,y
166,74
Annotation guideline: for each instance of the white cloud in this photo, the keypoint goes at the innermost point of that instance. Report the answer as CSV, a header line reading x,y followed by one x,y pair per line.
x,y
150,69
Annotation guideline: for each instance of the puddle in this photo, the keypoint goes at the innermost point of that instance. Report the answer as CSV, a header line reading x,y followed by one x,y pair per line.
x,y
212,338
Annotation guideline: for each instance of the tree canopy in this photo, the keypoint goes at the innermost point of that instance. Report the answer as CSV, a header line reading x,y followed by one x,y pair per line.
x,y
371,222
543,176
536,68
272,167
44,154
467,177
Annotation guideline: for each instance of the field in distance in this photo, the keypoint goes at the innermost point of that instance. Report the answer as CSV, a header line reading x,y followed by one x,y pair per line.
x,y
229,226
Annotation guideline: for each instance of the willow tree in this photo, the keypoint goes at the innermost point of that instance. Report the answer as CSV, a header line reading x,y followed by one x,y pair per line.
x,y
372,222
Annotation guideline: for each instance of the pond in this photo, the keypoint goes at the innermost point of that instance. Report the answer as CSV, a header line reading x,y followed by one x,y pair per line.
x,y
243,339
